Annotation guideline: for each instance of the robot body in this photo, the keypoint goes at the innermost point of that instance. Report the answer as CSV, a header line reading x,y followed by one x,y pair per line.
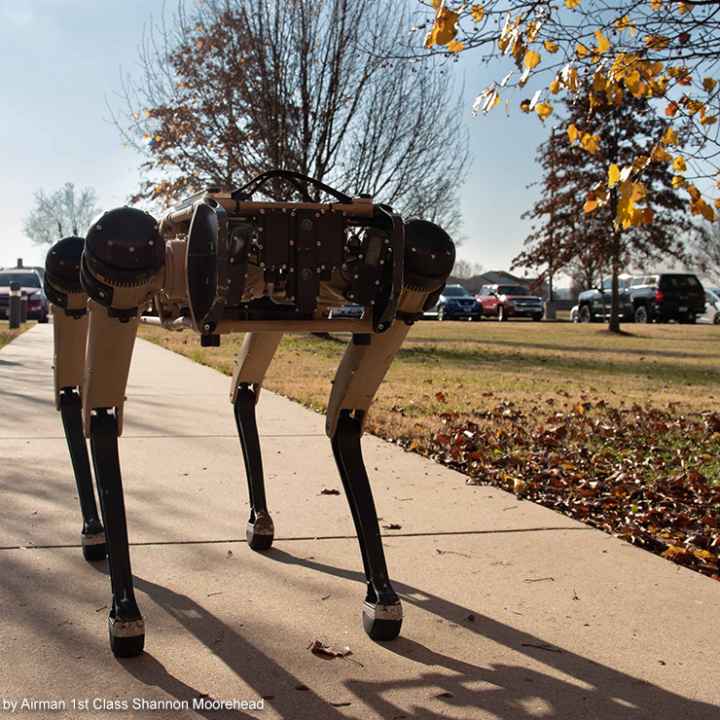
x,y
221,263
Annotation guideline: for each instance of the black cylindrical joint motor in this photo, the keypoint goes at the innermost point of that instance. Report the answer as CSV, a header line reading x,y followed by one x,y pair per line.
x,y
123,247
62,266
123,250
429,256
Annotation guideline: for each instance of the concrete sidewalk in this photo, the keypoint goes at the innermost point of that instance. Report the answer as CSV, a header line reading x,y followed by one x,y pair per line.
x,y
511,610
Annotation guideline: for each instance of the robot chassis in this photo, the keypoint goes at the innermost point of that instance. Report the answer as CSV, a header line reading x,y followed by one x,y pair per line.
x,y
219,263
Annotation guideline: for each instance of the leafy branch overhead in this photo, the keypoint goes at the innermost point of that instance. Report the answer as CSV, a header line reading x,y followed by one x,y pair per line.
x,y
608,54
576,179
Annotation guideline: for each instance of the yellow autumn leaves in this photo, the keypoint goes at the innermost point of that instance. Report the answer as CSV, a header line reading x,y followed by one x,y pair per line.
x,y
679,165
628,212
477,12
551,46
603,44
444,28
631,192
531,59
614,73
544,110
590,143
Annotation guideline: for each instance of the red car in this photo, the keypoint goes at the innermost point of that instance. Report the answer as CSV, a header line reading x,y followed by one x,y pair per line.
x,y
505,301
30,286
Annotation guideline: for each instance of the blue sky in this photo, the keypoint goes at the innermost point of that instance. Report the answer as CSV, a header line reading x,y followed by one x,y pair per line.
x,y
62,63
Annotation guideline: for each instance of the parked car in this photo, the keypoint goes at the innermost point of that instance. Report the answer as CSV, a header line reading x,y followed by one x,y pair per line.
x,y
31,286
456,303
646,298
712,308
506,301
351,311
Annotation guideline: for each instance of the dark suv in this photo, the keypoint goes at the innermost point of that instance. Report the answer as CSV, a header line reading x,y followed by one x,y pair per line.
x,y
30,286
644,298
456,303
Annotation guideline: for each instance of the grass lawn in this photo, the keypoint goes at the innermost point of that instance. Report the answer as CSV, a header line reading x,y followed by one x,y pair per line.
x,y
464,368
6,335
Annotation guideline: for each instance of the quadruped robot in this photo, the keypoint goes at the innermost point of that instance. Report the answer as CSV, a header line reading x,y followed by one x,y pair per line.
x,y
221,262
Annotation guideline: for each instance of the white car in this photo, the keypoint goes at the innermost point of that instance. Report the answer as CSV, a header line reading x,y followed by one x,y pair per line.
x,y
712,309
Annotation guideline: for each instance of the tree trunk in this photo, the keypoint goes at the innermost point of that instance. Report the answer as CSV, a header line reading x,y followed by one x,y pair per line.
x,y
614,325
551,292
615,247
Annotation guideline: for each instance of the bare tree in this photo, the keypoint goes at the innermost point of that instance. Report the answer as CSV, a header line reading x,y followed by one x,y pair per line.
x,y
465,269
705,251
585,272
231,88
62,212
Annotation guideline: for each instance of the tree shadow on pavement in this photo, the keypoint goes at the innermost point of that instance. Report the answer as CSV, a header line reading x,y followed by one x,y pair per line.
x,y
287,695
150,671
510,691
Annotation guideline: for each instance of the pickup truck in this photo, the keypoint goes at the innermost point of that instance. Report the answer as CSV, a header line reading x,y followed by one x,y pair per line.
x,y
647,298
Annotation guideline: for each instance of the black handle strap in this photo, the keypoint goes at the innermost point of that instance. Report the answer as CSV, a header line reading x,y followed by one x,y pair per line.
x,y
245,192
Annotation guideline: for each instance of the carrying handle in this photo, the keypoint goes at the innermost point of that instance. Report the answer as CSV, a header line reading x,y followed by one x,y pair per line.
x,y
245,192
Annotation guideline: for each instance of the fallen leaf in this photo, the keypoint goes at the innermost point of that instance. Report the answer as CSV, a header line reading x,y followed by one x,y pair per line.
x,y
317,647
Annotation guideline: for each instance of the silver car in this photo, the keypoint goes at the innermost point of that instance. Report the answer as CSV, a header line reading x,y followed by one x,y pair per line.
x,y
712,309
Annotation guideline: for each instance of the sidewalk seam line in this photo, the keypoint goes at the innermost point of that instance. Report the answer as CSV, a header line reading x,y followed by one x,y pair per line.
x,y
235,541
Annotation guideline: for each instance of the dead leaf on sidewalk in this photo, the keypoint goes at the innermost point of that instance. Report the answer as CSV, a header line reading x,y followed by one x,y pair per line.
x,y
329,491
392,526
317,647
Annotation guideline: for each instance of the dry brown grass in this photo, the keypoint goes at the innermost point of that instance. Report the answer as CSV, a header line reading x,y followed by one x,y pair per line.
x,y
6,335
474,365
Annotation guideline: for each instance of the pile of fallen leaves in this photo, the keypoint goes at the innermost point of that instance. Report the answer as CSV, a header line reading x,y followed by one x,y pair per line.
x,y
647,475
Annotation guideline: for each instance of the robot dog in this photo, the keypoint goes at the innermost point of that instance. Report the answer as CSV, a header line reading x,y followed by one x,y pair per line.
x,y
221,262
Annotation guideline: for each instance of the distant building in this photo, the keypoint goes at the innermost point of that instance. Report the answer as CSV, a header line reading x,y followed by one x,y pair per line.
x,y
496,277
